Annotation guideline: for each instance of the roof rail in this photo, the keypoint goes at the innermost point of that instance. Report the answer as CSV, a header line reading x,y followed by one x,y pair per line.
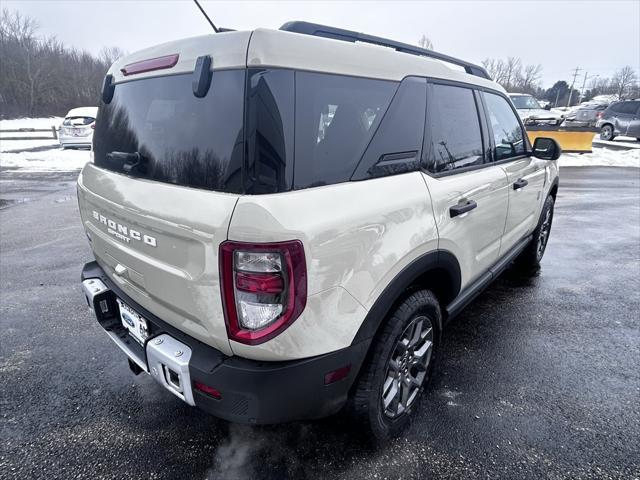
x,y
318,30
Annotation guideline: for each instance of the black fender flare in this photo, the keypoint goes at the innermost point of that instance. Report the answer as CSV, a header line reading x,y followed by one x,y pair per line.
x,y
431,261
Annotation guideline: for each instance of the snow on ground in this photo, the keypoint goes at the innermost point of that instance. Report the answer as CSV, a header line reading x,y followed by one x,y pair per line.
x,y
25,145
602,157
28,143
45,122
51,160
626,142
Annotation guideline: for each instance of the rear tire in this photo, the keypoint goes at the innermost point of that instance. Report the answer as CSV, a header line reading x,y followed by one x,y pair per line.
x,y
398,366
606,132
531,256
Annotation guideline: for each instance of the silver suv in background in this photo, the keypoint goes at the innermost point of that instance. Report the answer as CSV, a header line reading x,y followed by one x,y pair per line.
x,y
77,127
587,115
532,113
620,118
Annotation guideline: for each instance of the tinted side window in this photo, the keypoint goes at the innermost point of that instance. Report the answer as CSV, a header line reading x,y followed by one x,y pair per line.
x,y
335,118
629,108
454,129
395,147
616,108
507,132
78,121
269,131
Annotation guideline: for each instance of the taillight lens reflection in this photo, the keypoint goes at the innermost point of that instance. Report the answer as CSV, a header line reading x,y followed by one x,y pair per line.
x,y
264,288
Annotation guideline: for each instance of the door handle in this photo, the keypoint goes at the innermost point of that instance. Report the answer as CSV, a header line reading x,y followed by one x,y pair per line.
x,y
461,208
520,183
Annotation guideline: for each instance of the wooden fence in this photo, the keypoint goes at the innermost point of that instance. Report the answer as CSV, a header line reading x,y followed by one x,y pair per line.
x,y
53,133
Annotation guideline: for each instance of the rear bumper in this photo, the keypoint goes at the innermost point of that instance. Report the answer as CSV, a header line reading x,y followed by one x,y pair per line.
x,y
74,141
580,123
251,391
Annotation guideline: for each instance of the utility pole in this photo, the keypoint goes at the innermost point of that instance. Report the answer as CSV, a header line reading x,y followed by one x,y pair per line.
x,y
575,74
584,84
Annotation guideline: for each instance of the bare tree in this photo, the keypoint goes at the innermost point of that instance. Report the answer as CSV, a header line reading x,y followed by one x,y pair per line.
x,y
495,68
513,69
508,73
624,80
425,42
40,76
528,79
109,55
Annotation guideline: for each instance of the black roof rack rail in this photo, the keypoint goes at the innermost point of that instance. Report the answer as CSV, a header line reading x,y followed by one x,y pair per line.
x,y
318,30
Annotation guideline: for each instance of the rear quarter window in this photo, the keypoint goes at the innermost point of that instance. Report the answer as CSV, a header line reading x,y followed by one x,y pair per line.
x,y
335,118
629,108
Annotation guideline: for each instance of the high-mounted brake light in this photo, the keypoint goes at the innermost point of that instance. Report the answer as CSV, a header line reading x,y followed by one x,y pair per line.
x,y
150,65
264,288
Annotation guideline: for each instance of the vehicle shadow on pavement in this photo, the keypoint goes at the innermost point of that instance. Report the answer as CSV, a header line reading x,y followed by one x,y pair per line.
x,y
333,447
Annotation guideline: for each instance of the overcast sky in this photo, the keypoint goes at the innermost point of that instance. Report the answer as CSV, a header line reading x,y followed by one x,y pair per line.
x,y
597,36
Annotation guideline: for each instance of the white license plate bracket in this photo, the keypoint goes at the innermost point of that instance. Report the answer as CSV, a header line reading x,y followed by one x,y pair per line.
x,y
135,323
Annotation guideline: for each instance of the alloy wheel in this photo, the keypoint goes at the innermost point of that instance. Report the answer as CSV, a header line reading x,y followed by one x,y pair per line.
x,y
543,236
407,367
606,132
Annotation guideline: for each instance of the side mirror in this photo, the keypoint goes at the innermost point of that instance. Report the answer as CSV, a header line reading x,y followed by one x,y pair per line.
x,y
546,148
547,106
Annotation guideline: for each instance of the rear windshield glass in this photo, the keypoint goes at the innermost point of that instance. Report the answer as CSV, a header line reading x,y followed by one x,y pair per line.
x,y
77,121
524,102
181,139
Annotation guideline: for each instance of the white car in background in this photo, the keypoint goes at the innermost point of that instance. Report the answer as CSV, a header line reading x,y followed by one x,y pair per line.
x,y
532,113
77,128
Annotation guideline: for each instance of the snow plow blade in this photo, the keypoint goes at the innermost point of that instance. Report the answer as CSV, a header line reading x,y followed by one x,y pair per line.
x,y
572,140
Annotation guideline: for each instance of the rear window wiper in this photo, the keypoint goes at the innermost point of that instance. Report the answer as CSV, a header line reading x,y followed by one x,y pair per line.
x,y
130,161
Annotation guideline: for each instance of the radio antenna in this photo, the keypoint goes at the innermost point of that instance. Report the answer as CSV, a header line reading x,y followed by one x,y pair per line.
x,y
215,29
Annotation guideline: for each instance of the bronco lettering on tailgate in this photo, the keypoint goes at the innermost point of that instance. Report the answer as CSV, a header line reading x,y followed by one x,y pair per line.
x,y
123,232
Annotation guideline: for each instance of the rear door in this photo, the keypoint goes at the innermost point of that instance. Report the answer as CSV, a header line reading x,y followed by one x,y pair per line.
x,y
634,125
468,191
157,201
623,112
525,174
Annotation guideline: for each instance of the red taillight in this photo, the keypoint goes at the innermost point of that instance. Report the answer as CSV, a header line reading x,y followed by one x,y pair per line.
x,y
206,389
259,282
599,114
264,288
93,126
151,64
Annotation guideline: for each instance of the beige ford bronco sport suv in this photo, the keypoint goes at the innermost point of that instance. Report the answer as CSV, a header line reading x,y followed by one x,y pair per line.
x,y
284,220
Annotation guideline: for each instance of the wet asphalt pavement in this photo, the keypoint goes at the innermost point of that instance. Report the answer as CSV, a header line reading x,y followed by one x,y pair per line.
x,y
538,378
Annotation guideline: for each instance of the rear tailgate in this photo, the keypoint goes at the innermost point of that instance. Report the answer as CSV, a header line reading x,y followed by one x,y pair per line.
x,y
164,240
585,115
155,224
